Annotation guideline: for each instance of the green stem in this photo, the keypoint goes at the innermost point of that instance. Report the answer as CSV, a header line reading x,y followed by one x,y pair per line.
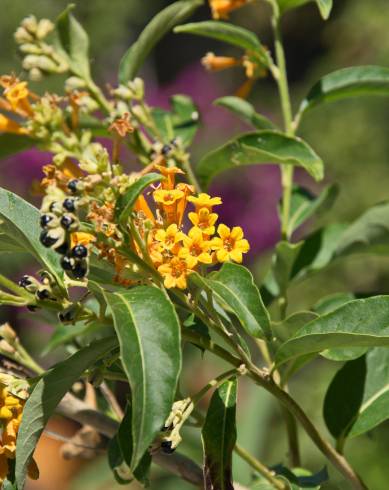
x,y
260,467
214,383
99,96
190,174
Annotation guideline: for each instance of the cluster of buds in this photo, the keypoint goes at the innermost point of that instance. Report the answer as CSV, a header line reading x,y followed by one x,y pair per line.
x,y
39,57
170,437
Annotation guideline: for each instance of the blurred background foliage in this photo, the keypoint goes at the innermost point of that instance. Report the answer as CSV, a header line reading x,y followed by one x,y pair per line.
x,y
352,138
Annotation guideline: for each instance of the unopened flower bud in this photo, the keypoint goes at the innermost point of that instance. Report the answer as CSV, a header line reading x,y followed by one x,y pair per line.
x,y
137,88
30,48
6,348
46,64
21,36
45,26
139,113
30,23
8,333
74,83
30,61
35,75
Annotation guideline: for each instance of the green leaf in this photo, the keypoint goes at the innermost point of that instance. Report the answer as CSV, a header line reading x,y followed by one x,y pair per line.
x,y
160,25
375,404
301,478
228,33
345,83
64,334
219,437
235,289
304,205
359,323
245,111
13,143
368,233
149,337
257,148
182,121
21,224
127,200
325,6
344,397
331,303
73,43
288,327
47,394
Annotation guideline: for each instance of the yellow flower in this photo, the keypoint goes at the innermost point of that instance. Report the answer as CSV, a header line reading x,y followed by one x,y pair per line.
x,y
81,238
204,201
204,220
175,272
169,237
219,63
9,126
17,95
221,8
195,246
231,244
168,201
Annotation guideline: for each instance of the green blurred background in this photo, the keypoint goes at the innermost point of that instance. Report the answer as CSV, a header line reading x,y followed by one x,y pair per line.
x,y
352,138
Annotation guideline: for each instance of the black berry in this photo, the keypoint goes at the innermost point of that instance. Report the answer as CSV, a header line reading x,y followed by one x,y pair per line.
x,y
80,269
166,149
62,249
67,263
79,251
167,448
47,240
67,221
31,308
65,316
72,185
25,281
43,294
45,220
69,205
52,206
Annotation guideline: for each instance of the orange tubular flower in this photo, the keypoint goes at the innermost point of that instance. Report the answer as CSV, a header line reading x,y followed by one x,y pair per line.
x,y
195,246
175,272
181,204
167,201
170,176
81,238
204,220
221,8
9,126
219,63
231,244
17,95
143,209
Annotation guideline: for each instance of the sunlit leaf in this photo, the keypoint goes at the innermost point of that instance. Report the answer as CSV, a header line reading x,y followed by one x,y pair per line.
x,y
244,110
258,148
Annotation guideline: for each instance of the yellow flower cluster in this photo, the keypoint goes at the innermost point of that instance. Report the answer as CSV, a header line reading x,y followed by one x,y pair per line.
x,y
11,410
16,101
176,254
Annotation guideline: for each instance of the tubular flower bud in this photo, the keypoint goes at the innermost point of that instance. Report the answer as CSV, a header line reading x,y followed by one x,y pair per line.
x,y
218,63
221,8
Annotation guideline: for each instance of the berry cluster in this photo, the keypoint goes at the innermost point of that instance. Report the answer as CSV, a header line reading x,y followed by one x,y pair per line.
x,y
60,225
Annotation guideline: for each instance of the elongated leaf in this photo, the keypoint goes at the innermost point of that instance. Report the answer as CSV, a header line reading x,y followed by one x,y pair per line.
x,y
245,111
325,6
73,43
47,394
234,287
219,437
304,205
228,33
288,327
21,223
375,404
346,83
257,148
149,337
359,323
160,25
368,233
13,143
127,201
344,397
